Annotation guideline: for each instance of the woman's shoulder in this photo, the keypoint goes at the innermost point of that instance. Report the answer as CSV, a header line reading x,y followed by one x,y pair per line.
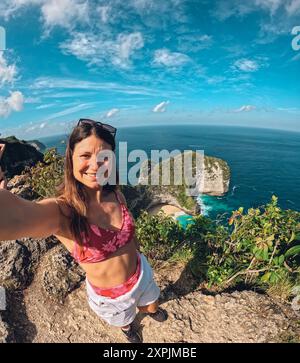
x,y
65,216
120,196
115,195
63,206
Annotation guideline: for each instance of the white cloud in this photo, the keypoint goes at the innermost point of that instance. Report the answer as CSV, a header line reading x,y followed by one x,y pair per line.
x,y
12,103
62,83
296,58
245,108
246,65
161,107
278,18
58,95
8,73
112,112
229,8
10,7
32,100
64,13
71,110
49,105
293,110
293,7
104,13
215,79
159,14
126,44
270,5
192,42
96,49
163,57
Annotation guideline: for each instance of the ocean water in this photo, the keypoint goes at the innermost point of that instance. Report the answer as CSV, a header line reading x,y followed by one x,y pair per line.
x,y
263,162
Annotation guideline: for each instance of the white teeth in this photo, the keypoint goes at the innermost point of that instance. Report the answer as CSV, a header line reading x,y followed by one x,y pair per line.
x,y
92,176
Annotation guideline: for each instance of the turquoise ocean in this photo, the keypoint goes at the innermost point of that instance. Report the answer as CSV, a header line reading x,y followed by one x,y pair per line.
x,y
263,162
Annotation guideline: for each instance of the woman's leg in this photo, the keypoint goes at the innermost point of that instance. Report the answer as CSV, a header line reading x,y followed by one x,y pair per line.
x,y
125,327
154,311
152,308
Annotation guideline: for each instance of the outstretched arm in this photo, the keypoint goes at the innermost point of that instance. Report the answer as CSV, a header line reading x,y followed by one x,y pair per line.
x,y
22,218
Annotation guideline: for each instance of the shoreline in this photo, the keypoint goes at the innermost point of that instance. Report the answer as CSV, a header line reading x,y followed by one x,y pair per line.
x,y
168,209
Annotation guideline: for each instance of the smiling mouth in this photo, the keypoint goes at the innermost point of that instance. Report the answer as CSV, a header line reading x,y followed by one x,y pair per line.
x,y
90,175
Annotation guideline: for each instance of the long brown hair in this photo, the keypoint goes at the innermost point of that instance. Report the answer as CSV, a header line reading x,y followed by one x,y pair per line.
x,y
71,191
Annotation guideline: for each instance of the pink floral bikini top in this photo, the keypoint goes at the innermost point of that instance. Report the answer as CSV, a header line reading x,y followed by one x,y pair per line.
x,y
103,242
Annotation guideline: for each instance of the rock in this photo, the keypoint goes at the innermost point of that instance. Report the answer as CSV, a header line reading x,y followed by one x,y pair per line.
x,y
4,332
144,197
137,197
19,185
37,247
61,274
18,155
243,316
214,179
38,145
193,318
14,264
216,176
19,259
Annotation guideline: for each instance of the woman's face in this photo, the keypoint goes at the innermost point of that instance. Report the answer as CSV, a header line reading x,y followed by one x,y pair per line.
x,y
85,164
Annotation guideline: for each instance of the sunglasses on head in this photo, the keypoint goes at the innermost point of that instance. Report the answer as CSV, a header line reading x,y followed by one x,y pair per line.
x,y
106,127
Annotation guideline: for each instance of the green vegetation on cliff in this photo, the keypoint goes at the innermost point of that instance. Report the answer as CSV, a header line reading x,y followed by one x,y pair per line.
x,y
46,176
258,249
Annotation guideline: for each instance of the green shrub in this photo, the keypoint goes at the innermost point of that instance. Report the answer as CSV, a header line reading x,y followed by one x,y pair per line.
x,y
262,248
158,235
45,176
163,238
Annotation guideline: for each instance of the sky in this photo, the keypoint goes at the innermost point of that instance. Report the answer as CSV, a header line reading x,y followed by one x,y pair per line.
x,y
148,62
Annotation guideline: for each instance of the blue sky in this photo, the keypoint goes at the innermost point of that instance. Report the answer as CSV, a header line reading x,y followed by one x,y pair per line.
x,y
148,62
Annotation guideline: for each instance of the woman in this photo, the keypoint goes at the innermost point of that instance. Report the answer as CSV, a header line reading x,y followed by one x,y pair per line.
x,y
94,224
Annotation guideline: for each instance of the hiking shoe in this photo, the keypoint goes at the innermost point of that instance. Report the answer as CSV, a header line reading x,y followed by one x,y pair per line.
x,y
132,336
160,315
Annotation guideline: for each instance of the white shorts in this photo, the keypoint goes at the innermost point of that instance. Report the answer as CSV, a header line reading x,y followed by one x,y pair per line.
x,y
121,311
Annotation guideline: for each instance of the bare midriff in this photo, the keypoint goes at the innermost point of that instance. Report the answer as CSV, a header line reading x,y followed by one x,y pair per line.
x,y
113,271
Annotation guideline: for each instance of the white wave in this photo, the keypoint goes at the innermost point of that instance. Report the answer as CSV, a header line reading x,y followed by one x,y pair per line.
x,y
290,201
234,188
204,208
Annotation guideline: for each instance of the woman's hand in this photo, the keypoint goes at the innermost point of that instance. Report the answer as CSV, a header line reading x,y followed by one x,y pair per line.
x,y
2,148
3,181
